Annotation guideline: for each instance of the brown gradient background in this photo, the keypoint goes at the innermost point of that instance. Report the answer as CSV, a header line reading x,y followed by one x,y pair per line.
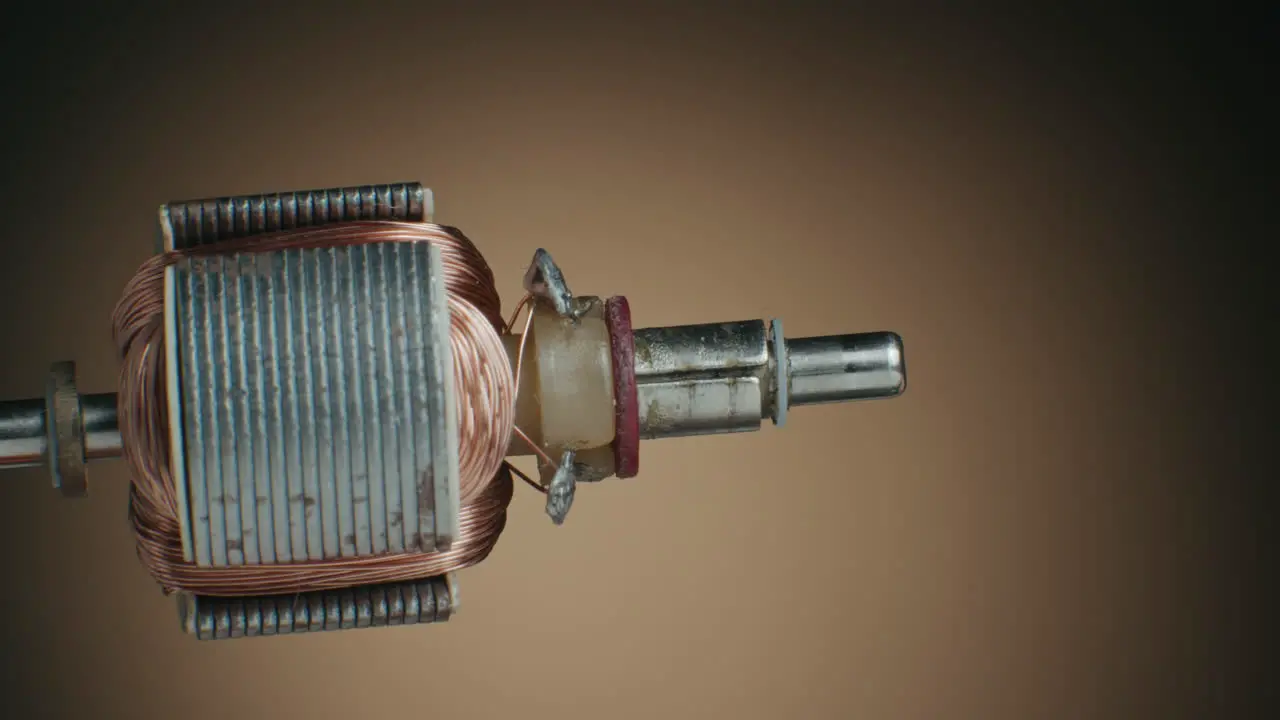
x,y
1052,523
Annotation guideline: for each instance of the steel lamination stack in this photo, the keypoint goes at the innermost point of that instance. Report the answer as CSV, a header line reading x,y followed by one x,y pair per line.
x,y
310,401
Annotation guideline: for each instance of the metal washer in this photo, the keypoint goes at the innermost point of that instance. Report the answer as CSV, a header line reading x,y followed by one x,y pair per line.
x,y
781,374
65,428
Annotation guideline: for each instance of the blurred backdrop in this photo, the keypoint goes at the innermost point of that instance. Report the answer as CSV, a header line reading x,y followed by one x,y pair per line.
x,y
1053,522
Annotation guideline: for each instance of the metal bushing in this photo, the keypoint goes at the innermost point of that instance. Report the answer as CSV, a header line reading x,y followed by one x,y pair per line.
x,y
65,429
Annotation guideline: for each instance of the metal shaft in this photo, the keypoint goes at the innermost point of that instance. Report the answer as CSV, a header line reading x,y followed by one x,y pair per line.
x,y
728,377
24,431
691,380
839,368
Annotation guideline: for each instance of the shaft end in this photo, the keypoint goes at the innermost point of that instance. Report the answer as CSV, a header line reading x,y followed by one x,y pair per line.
x,y
839,368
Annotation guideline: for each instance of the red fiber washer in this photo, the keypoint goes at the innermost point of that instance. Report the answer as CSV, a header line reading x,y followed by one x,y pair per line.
x,y
626,406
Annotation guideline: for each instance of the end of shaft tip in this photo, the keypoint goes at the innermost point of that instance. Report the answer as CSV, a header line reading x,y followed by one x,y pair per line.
x,y
842,368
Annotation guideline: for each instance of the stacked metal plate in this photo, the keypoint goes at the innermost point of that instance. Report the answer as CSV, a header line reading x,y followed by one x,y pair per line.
x,y
310,404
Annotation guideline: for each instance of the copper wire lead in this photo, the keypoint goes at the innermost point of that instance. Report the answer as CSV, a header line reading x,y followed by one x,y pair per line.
x,y
486,391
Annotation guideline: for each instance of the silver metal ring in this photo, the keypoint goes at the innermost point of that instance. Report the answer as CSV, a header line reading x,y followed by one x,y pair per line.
x,y
780,375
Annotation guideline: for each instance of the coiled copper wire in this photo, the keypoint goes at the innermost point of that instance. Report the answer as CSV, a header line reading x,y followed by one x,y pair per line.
x,y
486,390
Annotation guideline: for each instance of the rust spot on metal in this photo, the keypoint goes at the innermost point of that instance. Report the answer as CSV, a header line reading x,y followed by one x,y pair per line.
x,y
427,489
644,355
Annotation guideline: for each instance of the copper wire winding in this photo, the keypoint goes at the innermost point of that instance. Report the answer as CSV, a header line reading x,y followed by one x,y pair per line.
x,y
483,375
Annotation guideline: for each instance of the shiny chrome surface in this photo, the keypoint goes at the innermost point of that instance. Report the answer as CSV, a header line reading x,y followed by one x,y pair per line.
x,y
839,368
